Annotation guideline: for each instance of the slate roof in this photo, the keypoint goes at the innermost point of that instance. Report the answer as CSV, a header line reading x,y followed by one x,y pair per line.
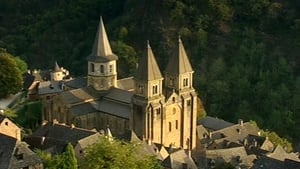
x,y
129,136
101,51
84,108
177,159
148,68
234,155
56,67
179,62
114,108
119,95
76,83
271,163
49,87
126,83
10,152
77,96
212,123
62,132
89,140
280,154
235,133
28,79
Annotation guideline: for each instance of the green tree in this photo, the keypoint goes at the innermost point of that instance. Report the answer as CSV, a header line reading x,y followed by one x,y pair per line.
x,y
21,64
70,161
10,113
117,155
10,75
66,160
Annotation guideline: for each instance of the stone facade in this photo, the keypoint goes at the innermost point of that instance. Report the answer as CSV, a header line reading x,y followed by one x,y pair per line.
x,y
159,109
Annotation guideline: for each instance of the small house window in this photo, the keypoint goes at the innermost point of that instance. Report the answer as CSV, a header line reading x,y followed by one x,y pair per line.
x,y
188,102
155,89
158,111
170,126
176,124
6,123
110,68
185,82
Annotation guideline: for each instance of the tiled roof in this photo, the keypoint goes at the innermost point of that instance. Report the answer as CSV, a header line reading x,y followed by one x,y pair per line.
x,y
101,51
49,87
126,83
114,108
130,136
234,155
177,159
89,140
10,152
179,63
6,150
76,83
212,123
264,162
280,154
119,95
83,108
76,96
148,68
62,132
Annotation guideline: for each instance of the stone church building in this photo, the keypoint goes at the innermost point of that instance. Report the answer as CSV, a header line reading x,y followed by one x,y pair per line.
x,y
160,108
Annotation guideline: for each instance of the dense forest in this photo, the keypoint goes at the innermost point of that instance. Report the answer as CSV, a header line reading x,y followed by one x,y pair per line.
x,y
244,53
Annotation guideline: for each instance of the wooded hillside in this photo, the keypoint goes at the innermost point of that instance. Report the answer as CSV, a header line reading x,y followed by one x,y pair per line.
x,y
245,53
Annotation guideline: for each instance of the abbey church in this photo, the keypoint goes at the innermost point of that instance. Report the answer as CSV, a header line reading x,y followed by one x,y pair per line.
x,y
159,106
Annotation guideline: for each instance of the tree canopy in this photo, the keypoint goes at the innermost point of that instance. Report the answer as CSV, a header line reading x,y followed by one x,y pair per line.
x,y
66,160
118,155
10,75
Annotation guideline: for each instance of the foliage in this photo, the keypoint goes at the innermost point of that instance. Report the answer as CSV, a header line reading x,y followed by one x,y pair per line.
x,y
66,160
116,154
10,113
276,140
21,64
10,75
29,114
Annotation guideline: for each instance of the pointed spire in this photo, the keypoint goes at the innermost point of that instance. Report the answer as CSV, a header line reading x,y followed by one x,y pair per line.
x,y
101,50
108,134
148,68
179,63
56,67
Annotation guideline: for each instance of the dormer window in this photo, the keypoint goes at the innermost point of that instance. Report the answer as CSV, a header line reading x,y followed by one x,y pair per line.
x,y
171,81
141,89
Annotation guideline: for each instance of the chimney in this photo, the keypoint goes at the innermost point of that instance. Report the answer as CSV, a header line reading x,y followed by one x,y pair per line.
x,y
44,122
241,122
209,135
54,121
43,140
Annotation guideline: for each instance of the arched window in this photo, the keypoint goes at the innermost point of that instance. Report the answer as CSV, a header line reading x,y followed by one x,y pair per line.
x,y
92,67
101,68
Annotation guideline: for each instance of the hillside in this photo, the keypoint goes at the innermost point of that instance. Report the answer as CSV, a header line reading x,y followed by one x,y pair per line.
x,y
244,53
